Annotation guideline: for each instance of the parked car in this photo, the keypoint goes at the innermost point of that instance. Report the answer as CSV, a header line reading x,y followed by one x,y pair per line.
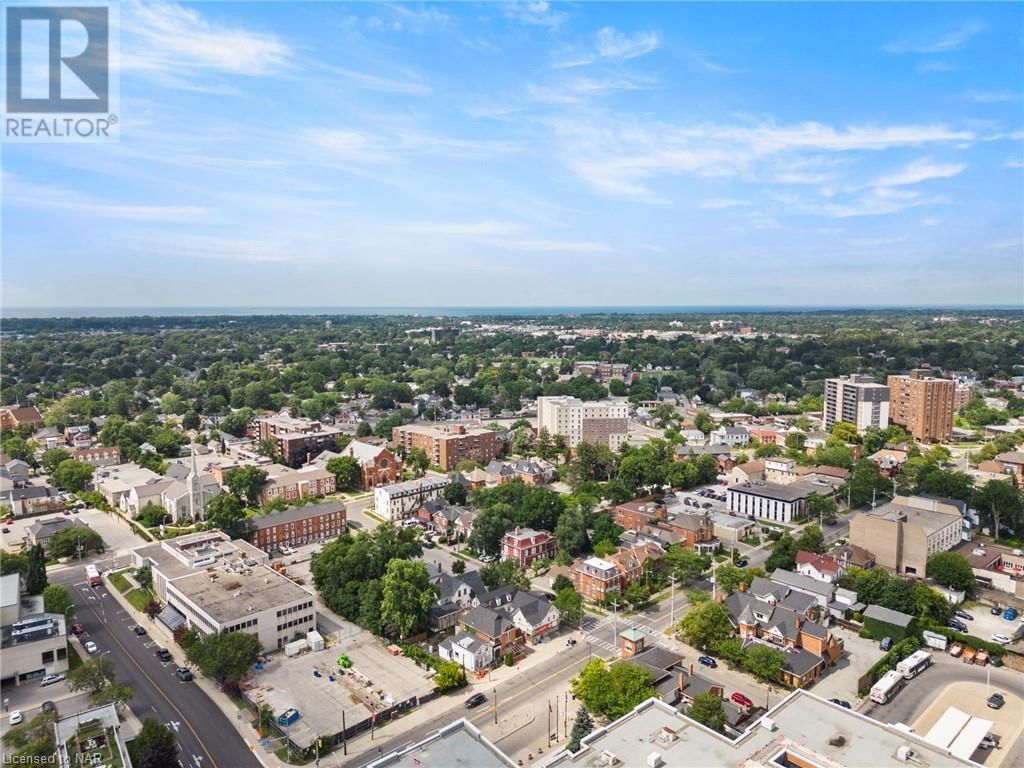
x,y
886,644
139,630
995,610
742,562
964,615
707,661
77,629
184,674
742,700
1010,614
841,703
49,706
959,626
475,700
996,701
1001,639
6,530
90,647
51,679
16,717
990,741
486,558
955,649
163,654
427,544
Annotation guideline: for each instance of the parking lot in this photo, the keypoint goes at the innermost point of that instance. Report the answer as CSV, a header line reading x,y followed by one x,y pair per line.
x,y
984,624
116,533
376,681
841,680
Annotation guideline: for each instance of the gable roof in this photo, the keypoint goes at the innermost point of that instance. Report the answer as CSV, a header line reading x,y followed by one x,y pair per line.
x,y
822,563
487,621
888,616
803,583
533,607
363,453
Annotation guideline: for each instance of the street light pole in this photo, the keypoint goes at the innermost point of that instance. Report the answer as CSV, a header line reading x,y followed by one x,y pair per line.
x,y
494,692
672,604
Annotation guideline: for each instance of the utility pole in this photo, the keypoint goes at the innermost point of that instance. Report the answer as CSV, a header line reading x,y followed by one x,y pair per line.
x,y
565,715
556,718
344,734
672,604
615,623
494,693
549,723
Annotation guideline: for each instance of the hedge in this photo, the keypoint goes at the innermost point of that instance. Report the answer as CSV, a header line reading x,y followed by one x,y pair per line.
x,y
878,629
896,654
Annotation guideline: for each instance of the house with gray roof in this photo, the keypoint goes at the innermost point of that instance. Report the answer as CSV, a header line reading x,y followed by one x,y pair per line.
x,y
41,531
821,591
533,615
467,650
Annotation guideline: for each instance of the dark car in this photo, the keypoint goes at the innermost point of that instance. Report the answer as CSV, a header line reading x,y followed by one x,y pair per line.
x,y
475,700
707,661
184,674
163,654
77,629
886,644
139,630
964,615
995,610
742,562
959,626
49,706
996,701
841,703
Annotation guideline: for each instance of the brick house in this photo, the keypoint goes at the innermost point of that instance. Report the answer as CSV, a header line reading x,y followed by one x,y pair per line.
x,y
493,627
14,416
526,546
297,525
98,455
293,484
599,578
696,531
634,515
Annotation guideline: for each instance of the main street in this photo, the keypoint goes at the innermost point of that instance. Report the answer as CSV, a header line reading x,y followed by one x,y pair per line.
x,y
206,737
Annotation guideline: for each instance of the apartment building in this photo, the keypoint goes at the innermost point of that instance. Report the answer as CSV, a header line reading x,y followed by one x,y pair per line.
x,y
858,400
904,533
602,371
296,441
214,584
298,525
97,455
526,546
601,423
15,416
401,500
924,405
446,446
1012,463
597,578
292,484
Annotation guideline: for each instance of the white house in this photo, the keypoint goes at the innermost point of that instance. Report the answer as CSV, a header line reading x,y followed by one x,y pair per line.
x,y
734,437
535,616
467,650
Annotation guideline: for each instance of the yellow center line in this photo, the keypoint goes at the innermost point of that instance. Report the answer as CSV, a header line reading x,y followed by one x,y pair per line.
x,y
151,680
514,696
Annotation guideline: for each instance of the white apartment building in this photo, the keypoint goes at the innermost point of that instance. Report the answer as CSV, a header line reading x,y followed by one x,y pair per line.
x,y
401,500
769,501
601,423
858,400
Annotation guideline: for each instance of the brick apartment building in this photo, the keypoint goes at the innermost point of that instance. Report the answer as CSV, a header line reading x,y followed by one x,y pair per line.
x,y
298,525
597,578
924,405
296,441
603,371
448,445
292,484
97,455
527,545
15,416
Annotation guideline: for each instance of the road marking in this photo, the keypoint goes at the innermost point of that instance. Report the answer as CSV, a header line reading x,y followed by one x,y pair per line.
x,y
490,713
161,692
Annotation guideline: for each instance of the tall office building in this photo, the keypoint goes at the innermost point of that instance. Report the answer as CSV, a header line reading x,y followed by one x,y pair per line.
x,y
600,423
857,400
923,404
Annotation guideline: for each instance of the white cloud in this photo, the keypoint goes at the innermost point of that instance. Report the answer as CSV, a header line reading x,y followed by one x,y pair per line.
x,y
536,13
500,234
930,221
716,203
707,61
25,194
1015,162
919,170
412,83
990,97
947,41
874,202
620,46
486,228
180,48
934,66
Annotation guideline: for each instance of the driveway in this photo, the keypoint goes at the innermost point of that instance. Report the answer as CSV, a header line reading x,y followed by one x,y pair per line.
x,y
841,680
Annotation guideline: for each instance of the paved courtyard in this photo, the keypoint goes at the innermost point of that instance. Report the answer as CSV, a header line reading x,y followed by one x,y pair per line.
x,y
841,680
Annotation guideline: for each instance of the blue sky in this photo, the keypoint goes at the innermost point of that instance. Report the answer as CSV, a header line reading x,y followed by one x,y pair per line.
x,y
538,154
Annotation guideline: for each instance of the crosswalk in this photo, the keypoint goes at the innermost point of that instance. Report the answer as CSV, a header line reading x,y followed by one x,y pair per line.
x,y
604,632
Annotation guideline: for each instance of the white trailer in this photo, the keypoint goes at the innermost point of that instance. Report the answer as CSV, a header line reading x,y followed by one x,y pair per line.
x,y
935,640
890,684
914,664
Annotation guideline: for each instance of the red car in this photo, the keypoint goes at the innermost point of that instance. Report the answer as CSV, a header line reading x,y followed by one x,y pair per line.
x,y
77,629
742,700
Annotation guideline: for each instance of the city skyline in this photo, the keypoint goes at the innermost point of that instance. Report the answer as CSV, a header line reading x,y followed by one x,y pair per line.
x,y
535,154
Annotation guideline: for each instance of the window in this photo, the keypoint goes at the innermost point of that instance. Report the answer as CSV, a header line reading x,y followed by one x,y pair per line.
x,y
47,657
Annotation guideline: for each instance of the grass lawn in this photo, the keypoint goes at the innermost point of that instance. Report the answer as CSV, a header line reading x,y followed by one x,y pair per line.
x,y
139,598
74,660
118,580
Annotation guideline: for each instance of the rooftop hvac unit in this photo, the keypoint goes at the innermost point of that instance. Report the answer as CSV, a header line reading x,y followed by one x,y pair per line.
x,y
654,760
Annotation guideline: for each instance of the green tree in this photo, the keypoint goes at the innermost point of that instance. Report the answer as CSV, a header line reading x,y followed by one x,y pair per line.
x,y
707,709
504,573
113,693
153,515
154,746
1001,506
458,566
811,539
570,606
363,429
951,569
406,599
226,655
783,554
14,562
612,691
450,676
56,599
583,724
92,676
225,512
246,483
346,472
706,624
144,575
795,441
684,563
73,475
845,431
822,508
571,530
763,662
455,493
35,576
52,458
418,460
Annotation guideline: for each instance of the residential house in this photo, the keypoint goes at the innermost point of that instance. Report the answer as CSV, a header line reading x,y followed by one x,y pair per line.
x,y
526,546
14,416
42,530
467,650
1013,463
533,615
721,452
634,515
78,435
596,579
494,627
734,437
821,591
98,455
826,568
31,499
528,472
696,531
890,460
745,473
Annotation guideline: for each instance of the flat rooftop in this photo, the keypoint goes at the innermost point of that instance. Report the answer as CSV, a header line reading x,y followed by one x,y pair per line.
x,y
811,730
232,594
458,745
930,519
792,492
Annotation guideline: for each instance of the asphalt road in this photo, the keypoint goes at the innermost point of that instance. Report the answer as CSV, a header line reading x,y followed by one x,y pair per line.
x,y
205,736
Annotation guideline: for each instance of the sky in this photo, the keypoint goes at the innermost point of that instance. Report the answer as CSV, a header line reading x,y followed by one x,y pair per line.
x,y
517,154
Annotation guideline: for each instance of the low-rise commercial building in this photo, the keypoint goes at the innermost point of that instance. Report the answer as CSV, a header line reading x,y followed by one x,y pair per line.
x,y
769,501
296,526
446,446
92,737
995,566
905,532
602,370
32,643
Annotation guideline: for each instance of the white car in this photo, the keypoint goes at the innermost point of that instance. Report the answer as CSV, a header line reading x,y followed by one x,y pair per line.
x,y
486,558
90,647
51,679
16,717
1001,639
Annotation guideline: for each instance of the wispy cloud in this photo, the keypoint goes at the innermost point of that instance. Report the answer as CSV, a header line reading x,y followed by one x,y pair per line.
x,y
620,46
20,193
178,47
930,221
919,170
411,82
708,62
501,234
356,147
990,97
873,202
933,65
938,43
536,13
1015,162
717,203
